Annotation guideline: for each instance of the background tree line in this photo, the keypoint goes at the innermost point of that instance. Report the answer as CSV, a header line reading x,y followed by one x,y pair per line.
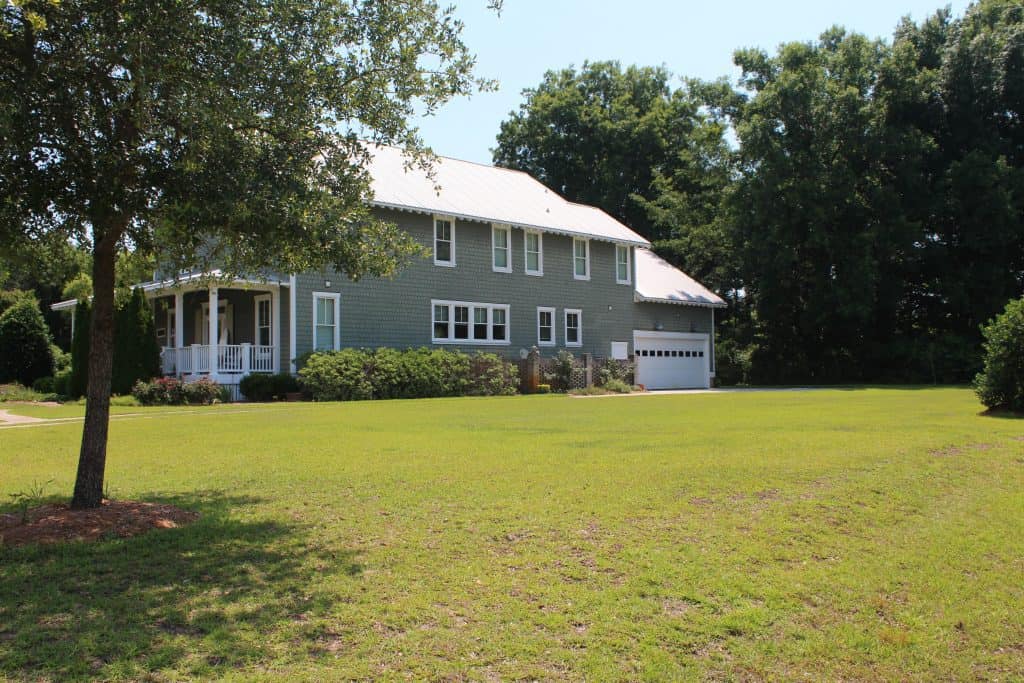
x,y
857,201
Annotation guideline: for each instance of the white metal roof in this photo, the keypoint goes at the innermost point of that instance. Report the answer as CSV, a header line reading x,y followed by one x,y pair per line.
x,y
479,192
658,281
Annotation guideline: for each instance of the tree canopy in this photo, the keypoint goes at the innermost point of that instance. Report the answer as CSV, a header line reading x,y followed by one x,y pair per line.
x,y
858,201
227,132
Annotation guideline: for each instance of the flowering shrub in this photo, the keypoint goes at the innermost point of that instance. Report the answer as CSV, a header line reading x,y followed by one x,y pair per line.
x,y
357,374
171,391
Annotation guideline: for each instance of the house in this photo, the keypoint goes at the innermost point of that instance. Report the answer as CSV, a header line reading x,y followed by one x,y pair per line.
x,y
513,265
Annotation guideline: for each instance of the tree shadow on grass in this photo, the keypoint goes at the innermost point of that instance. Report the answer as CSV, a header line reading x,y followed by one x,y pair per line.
x,y
200,600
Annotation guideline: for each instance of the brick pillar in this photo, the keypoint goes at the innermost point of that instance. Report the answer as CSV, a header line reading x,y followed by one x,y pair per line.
x,y
531,375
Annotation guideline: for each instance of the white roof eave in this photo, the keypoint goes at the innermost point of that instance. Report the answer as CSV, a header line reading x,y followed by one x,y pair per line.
x,y
525,226
641,299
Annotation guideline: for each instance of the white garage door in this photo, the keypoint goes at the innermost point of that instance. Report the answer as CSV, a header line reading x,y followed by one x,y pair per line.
x,y
672,360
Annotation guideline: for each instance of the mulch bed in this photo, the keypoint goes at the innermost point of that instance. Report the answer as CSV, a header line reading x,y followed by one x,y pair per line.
x,y
114,518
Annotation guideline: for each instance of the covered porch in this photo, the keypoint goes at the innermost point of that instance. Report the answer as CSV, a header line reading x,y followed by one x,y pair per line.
x,y
243,337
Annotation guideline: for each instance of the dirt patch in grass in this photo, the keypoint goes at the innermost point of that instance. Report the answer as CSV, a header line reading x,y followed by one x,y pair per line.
x,y
113,519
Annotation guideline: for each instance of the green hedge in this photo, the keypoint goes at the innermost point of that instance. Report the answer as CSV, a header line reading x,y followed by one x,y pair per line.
x,y
360,374
268,387
24,343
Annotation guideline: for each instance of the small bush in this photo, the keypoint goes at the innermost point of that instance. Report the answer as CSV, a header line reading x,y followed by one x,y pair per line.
x,y
359,374
18,392
617,386
491,375
44,385
170,391
560,376
336,376
267,387
543,388
62,382
612,371
124,402
1000,386
24,343
61,359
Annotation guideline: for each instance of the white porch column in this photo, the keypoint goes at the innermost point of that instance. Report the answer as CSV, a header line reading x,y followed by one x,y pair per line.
x,y
214,332
179,330
275,330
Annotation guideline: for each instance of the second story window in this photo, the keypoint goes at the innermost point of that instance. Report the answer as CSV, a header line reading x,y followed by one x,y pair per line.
x,y
501,243
534,252
444,242
622,269
580,258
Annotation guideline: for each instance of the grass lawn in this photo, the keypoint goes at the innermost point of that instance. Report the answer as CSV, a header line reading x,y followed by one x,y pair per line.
x,y
859,534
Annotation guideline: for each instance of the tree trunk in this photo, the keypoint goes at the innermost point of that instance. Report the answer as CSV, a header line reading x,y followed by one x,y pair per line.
x,y
92,458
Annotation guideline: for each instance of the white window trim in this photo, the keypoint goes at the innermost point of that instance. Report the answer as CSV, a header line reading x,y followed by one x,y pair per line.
x,y
450,339
337,317
579,329
507,229
586,259
629,264
554,327
256,318
449,219
540,253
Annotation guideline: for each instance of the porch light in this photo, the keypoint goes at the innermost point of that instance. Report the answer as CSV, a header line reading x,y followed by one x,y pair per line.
x,y
327,283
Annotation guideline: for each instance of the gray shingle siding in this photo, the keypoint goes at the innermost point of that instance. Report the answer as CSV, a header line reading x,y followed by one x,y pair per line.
x,y
397,312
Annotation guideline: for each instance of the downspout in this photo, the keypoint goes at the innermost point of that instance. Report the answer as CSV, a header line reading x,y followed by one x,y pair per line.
x,y
292,298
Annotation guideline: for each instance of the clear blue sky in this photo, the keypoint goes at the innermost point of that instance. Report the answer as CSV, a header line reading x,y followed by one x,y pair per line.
x,y
690,38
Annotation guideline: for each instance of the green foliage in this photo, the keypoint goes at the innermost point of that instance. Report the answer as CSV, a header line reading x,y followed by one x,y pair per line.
x,y
62,382
20,393
136,353
79,380
356,374
562,369
24,343
259,387
615,138
617,386
44,385
171,391
613,370
1001,384
78,288
492,375
61,358
10,297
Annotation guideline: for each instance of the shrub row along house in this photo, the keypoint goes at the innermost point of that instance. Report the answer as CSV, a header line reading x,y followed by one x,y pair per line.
x,y
513,265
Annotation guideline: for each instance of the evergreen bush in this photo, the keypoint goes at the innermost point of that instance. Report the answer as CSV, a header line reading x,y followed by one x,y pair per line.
x,y
257,387
24,343
1000,386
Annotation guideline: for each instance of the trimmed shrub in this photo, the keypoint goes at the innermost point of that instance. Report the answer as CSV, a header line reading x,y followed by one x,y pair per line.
x,y
268,387
24,343
170,391
491,375
617,386
352,374
336,376
1000,386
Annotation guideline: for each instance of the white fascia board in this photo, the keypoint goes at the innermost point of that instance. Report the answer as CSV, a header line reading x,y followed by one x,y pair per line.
x,y
641,299
523,226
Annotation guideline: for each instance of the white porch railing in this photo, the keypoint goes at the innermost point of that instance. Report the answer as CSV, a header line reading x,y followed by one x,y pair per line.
x,y
240,359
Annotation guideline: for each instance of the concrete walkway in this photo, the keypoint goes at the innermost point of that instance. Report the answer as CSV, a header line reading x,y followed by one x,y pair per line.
x,y
7,419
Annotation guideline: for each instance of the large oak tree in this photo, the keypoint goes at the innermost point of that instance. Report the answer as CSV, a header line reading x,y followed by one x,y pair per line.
x,y
225,132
